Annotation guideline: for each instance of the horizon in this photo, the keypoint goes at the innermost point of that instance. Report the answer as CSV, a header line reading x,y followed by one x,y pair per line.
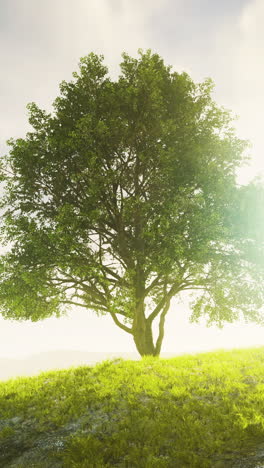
x,y
53,360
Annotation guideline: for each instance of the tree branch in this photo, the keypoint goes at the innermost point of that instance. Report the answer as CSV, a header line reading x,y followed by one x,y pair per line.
x,y
174,289
74,303
161,328
120,324
152,285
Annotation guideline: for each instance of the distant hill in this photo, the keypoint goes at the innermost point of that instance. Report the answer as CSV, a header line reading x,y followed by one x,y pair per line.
x,y
59,359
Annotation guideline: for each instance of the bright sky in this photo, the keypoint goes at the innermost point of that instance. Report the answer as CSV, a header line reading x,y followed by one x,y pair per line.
x,y
40,45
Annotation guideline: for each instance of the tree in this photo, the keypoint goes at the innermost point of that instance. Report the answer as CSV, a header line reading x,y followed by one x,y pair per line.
x,y
123,197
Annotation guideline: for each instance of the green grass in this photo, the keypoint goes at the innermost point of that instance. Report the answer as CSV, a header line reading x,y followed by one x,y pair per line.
x,y
203,410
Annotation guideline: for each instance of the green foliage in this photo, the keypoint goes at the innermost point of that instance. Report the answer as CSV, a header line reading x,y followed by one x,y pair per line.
x,y
124,196
190,411
6,432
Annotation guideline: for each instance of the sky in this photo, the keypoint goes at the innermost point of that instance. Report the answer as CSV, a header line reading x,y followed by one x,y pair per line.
x,y
41,44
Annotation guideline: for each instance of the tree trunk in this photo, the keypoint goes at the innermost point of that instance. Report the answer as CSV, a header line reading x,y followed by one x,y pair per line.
x,y
144,342
142,334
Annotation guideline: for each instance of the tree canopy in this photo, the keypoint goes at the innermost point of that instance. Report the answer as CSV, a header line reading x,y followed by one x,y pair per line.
x,y
124,196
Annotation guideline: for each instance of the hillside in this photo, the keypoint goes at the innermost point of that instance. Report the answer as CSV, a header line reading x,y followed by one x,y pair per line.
x,y
198,411
60,359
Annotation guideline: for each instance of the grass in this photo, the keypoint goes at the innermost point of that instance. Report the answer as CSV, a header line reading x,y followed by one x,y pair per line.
x,y
204,410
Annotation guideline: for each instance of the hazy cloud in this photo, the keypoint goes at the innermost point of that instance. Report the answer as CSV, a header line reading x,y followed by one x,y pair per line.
x,y
41,43
240,73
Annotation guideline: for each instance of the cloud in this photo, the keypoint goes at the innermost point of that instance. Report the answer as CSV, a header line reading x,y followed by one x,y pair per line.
x,y
43,41
186,32
241,69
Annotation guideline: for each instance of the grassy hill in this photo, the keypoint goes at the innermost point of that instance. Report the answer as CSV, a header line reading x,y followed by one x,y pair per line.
x,y
204,410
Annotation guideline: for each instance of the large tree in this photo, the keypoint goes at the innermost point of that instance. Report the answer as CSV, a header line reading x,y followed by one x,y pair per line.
x,y
124,196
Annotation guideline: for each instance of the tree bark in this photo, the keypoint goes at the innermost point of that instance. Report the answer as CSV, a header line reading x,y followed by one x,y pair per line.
x,y
141,329
142,334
